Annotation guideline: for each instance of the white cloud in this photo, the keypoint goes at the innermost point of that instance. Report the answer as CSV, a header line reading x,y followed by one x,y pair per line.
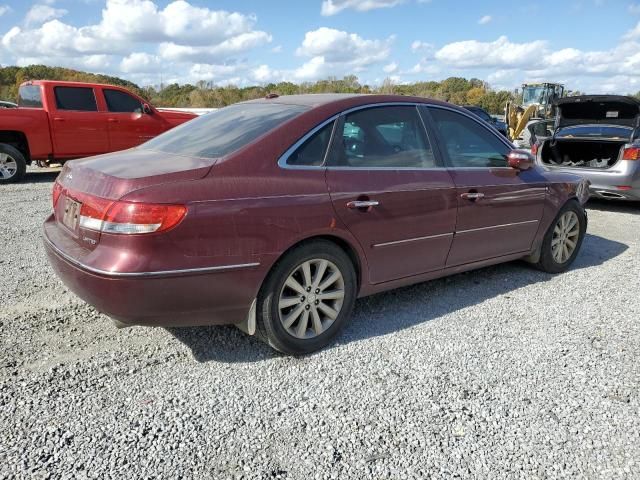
x,y
140,62
335,52
633,33
509,63
40,13
634,8
146,37
417,46
332,7
485,19
219,73
390,68
179,28
189,53
502,52
277,49
4,9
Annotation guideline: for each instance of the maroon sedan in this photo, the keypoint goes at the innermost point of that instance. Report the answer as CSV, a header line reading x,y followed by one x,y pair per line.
x,y
276,214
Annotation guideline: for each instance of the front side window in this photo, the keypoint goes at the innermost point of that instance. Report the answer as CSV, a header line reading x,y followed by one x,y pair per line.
x,y
118,101
30,96
467,143
224,131
383,137
75,98
311,153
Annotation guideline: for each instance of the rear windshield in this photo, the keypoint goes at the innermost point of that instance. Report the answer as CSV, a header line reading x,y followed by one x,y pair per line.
x,y
30,96
224,131
608,131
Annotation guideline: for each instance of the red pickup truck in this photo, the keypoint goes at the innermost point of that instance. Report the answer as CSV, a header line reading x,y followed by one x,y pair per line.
x,y
60,121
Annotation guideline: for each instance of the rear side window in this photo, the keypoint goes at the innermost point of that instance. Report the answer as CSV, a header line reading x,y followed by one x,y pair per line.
x,y
224,131
30,96
383,137
75,98
467,143
311,153
118,101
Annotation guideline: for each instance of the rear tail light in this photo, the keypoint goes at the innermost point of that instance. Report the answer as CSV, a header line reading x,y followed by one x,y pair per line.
x,y
624,187
127,218
55,194
534,149
631,153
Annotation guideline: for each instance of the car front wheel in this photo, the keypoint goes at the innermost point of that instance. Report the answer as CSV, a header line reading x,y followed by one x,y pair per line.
x,y
562,241
307,298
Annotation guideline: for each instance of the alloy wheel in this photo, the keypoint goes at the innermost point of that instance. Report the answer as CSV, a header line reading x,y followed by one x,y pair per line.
x,y
565,237
8,166
311,298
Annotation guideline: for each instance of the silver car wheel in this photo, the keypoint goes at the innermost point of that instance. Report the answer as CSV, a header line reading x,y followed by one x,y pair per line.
x,y
8,166
565,237
311,298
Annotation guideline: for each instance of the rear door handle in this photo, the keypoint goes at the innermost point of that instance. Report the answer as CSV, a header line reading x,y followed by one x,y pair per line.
x,y
472,196
362,204
112,120
58,119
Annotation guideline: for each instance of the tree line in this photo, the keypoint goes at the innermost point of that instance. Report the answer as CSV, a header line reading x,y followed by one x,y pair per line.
x,y
460,91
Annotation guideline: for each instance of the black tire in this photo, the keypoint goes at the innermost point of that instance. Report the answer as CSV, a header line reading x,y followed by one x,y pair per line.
x,y
547,263
21,164
269,326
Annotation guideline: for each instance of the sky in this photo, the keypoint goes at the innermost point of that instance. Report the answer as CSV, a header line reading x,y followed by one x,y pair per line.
x,y
589,45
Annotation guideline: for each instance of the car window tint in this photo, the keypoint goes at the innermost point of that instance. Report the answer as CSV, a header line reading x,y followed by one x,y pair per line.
x,y
224,131
383,137
75,98
481,113
30,96
118,101
311,152
467,142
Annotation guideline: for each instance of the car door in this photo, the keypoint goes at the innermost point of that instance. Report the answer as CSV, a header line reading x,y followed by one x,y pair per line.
x,y
77,127
129,125
499,208
388,188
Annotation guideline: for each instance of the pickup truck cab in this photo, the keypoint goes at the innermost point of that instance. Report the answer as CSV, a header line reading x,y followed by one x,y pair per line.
x,y
59,121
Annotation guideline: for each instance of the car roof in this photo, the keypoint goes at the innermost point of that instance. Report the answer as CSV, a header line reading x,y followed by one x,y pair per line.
x,y
343,100
71,84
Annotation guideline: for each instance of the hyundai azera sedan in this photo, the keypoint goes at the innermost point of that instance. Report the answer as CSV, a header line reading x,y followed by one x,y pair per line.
x,y
276,214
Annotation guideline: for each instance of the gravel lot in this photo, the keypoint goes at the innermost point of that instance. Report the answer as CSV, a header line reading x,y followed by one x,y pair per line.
x,y
505,372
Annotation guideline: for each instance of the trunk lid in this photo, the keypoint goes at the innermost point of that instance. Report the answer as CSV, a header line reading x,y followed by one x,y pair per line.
x,y
597,109
113,175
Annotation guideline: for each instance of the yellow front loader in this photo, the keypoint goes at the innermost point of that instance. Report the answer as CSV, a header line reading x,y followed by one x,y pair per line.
x,y
536,107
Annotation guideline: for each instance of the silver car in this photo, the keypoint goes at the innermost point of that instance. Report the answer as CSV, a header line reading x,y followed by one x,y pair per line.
x,y
598,138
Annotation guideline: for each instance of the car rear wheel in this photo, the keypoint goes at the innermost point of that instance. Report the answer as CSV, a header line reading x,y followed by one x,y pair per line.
x,y
12,164
307,298
562,241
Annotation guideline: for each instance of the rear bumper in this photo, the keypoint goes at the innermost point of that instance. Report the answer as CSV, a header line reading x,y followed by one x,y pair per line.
x,y
606,183
164,298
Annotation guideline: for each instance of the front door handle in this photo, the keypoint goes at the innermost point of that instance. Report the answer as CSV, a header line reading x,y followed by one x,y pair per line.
x,y
58,119
112,120
362,204
473,196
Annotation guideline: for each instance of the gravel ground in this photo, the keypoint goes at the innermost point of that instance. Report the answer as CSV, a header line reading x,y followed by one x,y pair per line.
x,y
505,372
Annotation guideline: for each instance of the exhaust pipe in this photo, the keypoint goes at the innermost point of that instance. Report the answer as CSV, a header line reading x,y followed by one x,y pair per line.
x,y
605,194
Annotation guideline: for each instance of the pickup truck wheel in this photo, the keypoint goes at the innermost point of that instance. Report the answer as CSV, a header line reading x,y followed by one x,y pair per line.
x,y
12,164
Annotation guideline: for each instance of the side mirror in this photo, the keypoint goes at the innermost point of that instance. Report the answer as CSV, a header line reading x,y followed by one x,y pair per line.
x,y
146,109
520,160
